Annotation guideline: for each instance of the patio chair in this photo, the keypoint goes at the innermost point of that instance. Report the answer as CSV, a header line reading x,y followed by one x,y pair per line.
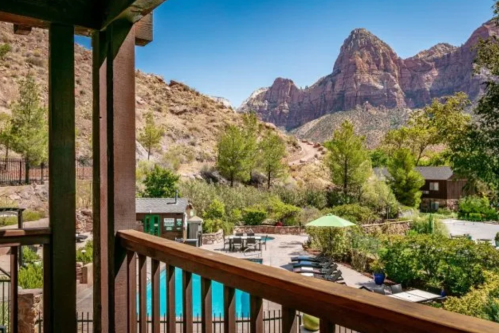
x,y
336,276
396,288
251,243
263,242
226,242
239,234
250,233
237,243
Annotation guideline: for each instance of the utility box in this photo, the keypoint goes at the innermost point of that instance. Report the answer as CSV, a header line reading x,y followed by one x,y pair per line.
x,y
195,227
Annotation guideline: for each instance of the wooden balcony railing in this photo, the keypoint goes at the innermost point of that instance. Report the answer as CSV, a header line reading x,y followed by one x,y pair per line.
x,y
334,304
15,238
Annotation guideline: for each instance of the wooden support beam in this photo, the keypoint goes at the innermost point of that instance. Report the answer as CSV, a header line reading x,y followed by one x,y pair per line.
x,y
22,29
114,172
66,12
62,176
128,10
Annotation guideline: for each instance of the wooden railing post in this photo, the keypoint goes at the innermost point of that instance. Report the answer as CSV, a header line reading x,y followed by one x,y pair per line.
x,y
114,171
14,253
187,301
256,315
229,310
62,183
170,305
289,320
326,326
206,306
155,296
142,293
132,291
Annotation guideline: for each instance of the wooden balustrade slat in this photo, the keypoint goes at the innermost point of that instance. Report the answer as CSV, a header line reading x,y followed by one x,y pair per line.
x,y
206,306
170,304
142,293
14,283
155,296
132,291
289,320
229,310
256,314
187,301
326,326
348,307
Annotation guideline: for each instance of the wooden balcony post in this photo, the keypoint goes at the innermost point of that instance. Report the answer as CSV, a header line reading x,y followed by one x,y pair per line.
x,y
114,171
60,274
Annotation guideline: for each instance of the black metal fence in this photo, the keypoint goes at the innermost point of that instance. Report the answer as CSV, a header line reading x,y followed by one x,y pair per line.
x,y
17,172
271,321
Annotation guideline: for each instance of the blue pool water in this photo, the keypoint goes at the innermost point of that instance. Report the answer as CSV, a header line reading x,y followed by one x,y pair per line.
x,y
242,298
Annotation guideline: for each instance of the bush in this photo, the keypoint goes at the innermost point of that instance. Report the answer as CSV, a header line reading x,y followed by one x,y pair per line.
x,y
422,225
160,183
86,253
378,196
31,276
354,213
30,256
308,214
4,49
476,209
279,211
332,242
28,215
216,210
254,215
433,261
210,226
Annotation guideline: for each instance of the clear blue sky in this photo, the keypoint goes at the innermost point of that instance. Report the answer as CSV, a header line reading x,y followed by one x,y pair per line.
x,y
229,48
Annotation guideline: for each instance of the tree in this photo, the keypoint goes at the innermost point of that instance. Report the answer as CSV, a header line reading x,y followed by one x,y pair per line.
x,y
348,159
272,151
151,135
232,158
160,183
29,124
404,180
6,138
251,131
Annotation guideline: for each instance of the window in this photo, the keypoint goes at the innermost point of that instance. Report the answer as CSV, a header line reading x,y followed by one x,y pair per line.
x,y
434,186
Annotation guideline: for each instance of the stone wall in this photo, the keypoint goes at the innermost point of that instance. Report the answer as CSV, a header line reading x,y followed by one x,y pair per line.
x,y
270,230
213,238
30,308
388,228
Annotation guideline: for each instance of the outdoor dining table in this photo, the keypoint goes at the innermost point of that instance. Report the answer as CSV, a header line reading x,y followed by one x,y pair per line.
x,y
415,296
243,239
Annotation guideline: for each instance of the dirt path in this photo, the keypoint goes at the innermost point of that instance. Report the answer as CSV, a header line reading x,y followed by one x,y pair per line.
x,y
306,154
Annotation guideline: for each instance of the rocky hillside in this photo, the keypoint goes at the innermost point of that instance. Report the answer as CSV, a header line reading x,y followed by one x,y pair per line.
x,y
192,121
368,73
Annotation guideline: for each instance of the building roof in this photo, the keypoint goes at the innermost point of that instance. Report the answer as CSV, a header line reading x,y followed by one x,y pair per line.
x,y
428,173
160,205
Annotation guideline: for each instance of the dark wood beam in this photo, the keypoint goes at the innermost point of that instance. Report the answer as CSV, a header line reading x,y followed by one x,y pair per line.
x,y
22,29
128,10
114,173
67,12
62,181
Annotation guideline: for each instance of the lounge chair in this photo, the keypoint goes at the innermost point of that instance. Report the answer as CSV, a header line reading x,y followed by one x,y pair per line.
x,y
237,243
309,258
336,276
396,288
379,290
316,270
251,243
311,264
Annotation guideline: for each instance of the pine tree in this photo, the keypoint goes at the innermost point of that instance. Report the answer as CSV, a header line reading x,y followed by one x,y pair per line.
x,y
349,161
151,135
404,180
272,151
232,158
6,133
29,125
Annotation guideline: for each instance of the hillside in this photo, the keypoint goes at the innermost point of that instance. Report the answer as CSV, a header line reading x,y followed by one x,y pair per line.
x,y
192,121
368,71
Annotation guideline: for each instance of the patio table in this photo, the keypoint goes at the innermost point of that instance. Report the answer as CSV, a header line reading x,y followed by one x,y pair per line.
x,y
243,239
415,296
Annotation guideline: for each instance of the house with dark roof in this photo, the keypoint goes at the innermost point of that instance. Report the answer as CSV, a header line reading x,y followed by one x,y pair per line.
x,y
442,188
164,217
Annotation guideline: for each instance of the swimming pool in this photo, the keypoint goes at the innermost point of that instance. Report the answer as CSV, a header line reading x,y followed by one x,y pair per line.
x,y
242,298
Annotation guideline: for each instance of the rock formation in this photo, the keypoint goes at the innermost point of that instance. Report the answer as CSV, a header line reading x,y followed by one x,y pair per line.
x,y
369,71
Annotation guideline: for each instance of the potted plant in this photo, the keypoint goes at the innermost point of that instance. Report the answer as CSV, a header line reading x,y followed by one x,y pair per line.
x,y
378,272
496,239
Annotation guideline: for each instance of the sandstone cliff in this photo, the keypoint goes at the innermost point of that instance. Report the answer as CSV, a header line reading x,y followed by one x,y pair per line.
x,y
369,72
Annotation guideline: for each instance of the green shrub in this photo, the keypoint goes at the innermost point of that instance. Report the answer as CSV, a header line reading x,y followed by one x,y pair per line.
x,y
216,210
160,183
210,226
436,261
445,212
254,215
332,242
4,49
86,253
422,225
476,209
30,256
28,215
354,213
280,211
31,276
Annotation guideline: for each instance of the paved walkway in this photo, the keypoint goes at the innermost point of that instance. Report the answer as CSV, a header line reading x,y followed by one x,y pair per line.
x,y
477,230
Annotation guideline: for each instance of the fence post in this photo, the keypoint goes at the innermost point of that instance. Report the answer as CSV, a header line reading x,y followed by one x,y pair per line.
x,y
20,172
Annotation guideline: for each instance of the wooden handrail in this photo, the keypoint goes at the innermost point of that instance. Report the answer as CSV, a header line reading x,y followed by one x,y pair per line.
x,y
25,236
341,305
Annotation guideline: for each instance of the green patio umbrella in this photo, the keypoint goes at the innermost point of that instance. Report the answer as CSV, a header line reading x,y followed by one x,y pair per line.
x,y
331,221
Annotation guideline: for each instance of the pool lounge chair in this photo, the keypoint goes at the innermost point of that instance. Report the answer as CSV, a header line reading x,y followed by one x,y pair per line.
x,y
336,276
311,264
309,258
396,288
316,270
